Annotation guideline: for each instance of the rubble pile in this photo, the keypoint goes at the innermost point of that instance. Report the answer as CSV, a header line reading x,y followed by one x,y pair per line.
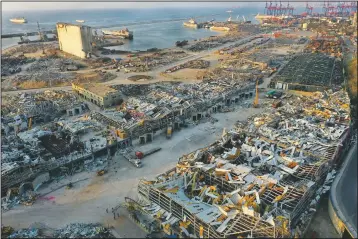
x,y
48,78
262,179
29,48
196,64
132,90
53,64
12,65
203,46
235,50
25,233
24,152
82,230
142,63
214,41
268,56
99,62
74,230
329,47
41,103
14,198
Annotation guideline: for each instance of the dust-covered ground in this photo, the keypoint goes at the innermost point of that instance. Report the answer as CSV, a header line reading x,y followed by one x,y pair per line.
x,y
321,225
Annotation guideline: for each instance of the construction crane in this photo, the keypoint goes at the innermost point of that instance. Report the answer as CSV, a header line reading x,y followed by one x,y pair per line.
x,y
256,100
309,9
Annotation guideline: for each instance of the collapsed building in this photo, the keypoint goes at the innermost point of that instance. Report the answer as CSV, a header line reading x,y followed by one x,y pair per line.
x,y
170,105
262,179
75,39
21,111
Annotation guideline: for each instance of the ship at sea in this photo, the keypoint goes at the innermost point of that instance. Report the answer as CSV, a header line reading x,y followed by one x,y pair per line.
x,y
270,18
125,33
191,23
80,21
18,20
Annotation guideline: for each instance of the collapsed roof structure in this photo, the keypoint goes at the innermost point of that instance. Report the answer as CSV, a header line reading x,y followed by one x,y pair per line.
x,y
258,180
309,72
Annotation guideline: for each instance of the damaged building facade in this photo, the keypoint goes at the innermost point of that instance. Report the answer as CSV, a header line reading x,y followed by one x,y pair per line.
x,y
160,107
98,94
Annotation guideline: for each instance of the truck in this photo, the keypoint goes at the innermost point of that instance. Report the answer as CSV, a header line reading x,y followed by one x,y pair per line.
x,y
142,154
128,154
274,94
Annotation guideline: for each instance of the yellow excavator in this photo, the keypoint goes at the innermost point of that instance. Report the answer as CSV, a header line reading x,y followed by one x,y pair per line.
x,y
256,100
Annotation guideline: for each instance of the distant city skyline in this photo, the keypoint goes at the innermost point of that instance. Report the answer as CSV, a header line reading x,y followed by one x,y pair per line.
x,y
33,6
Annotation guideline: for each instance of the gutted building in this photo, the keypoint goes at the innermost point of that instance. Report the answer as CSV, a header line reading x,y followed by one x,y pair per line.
x,y
309,72
100,95
75,39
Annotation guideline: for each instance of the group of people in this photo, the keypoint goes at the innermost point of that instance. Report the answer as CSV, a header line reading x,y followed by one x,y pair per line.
x,y
114,212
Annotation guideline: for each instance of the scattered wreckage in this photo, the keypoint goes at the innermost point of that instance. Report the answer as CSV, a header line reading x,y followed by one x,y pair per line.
x,y
262,179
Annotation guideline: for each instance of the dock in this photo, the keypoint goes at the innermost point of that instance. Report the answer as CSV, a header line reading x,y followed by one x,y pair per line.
x,y
27,34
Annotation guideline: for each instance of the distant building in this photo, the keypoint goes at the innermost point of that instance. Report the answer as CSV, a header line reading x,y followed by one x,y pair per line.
x,y
98,94
304,26
75,39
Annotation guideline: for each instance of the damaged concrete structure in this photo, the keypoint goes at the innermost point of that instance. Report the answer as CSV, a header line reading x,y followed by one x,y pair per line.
x,y
261,179
98,94
75,39
172,105
309,72
21,111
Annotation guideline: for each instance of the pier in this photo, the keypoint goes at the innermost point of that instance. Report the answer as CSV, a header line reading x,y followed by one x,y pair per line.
x,y
27,34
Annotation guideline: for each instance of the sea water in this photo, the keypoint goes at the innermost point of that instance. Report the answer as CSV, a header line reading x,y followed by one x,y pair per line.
x,y
149,35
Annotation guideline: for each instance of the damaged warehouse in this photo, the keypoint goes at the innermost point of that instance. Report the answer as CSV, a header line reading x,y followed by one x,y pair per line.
x,y
309,72
261,179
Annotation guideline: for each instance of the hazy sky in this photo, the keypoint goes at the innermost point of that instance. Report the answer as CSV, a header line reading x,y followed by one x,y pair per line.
x,y
27,5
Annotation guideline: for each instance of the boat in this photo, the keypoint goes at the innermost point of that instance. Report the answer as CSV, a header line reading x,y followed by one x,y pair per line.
x,y
264,18
218,28
18,20
125,33
191,23
80,21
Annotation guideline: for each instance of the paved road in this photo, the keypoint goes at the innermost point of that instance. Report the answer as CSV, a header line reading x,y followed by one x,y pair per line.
x,y
344,191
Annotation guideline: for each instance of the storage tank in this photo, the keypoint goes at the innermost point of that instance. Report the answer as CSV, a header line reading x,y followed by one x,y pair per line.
x,y
304,26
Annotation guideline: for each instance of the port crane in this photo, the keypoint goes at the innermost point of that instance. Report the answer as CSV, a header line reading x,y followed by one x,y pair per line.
x,y
309,9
